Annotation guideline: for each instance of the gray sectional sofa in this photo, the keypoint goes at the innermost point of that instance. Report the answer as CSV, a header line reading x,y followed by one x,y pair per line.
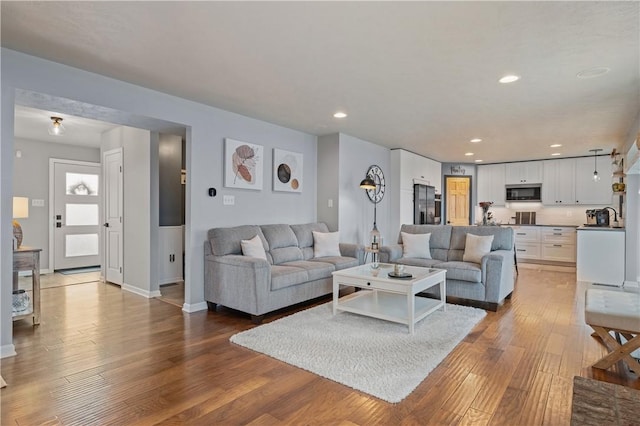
x,y
289,275
484,284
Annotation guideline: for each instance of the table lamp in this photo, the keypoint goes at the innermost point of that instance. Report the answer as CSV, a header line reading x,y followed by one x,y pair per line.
x,y
20,211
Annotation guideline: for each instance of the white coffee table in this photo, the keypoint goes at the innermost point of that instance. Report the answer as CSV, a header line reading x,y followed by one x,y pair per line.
x,y
387,298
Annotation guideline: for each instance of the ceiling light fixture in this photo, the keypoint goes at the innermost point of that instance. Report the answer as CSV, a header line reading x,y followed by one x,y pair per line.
x,y
596,177
509,78
476,140
468,154
56,128
478,161
593,72
555,154
340,114
555,145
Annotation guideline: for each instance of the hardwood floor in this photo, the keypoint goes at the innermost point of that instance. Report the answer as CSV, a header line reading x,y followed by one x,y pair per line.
x,y
106,356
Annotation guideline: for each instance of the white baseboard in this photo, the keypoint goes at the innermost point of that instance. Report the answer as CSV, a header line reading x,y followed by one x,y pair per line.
x,y
631,284
195,307
8,350
170,281
140,292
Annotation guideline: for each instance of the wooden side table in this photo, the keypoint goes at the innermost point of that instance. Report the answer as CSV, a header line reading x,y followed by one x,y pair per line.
x,y
28,259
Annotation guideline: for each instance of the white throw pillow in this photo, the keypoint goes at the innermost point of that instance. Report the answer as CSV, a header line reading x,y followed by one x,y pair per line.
x,y
416,245
253,248
326,244
476,247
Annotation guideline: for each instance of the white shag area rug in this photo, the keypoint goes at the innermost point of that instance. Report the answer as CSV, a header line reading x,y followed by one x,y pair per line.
x,y
374,356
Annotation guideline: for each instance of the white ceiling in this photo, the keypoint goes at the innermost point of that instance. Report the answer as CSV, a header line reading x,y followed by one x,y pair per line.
x,y
417,75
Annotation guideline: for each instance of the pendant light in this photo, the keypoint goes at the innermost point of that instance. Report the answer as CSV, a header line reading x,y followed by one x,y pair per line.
x,y
596,176
56,128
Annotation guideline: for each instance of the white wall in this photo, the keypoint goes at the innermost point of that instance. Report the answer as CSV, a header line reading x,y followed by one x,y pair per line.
x,y
356,210
31,179
206,129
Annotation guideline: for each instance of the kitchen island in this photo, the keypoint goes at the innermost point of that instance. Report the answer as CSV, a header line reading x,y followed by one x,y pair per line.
x,y
601,255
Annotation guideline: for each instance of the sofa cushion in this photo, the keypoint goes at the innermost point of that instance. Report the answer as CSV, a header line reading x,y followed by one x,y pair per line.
x,y
287,276
253,248
225,241
339,262
415,245
439,241
283,244
462,271
476,247
326,244
415,261
502,238
315,270
305,237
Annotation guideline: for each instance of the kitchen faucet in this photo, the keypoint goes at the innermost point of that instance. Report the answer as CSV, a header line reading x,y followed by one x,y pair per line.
x,y
615,213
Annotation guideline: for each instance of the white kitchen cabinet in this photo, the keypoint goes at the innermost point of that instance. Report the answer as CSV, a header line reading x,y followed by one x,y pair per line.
x,y
588,191
170,241
545,243
601,256
558,244
491,182
426,170
523,172
559,182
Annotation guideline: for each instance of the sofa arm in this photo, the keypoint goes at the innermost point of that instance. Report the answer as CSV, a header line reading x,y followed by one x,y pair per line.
x,y
497,275
390,253
353,250
238,282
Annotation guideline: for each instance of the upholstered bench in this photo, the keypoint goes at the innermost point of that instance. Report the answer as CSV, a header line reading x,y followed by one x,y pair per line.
x,y
617,311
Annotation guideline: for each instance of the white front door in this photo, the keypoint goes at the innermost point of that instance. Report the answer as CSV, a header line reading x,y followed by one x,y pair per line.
x,y
113,211
76,210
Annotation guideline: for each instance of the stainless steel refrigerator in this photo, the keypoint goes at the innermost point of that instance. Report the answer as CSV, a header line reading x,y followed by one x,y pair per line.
x,y
424,205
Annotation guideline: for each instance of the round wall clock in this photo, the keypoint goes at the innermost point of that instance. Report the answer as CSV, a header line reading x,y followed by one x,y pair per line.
x,y
375,173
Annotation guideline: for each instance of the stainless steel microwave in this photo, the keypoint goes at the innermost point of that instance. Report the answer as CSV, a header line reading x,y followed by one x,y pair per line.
x,y
523,193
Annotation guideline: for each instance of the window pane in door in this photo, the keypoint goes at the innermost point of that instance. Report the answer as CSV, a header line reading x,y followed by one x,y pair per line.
x,y
81,184
81,214
81,245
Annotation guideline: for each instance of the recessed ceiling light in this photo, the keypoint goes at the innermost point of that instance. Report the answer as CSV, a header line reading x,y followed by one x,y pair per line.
x,y
340,114
555,154
468,154
593,72
476,140
509,78
555,145
478,161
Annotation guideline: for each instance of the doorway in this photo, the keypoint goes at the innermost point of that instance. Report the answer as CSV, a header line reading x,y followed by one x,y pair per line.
x,y
458,200
75,209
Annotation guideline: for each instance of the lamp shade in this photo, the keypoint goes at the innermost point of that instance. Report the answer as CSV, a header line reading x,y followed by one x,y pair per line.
x,y
367,183
20,207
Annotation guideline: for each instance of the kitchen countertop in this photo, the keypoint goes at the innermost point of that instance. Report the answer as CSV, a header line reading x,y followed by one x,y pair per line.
x,y
599,228
538,224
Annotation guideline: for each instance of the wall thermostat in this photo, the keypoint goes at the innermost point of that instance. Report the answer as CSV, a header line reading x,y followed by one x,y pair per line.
x,y
212,192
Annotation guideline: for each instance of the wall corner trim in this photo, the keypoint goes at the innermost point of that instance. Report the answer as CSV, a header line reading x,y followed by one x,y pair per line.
x,y
140,292
194,307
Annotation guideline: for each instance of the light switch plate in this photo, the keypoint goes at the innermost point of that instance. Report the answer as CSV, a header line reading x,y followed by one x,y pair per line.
x,y
229,200
37,203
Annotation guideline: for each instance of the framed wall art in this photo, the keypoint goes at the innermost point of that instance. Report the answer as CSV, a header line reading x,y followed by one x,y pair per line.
x,y
287,171
243,165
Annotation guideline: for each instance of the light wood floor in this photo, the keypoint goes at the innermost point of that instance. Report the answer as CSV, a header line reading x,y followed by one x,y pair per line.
x,y
105,356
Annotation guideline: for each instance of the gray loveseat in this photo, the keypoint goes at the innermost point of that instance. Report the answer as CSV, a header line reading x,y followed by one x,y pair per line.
x,y
484,284
290,274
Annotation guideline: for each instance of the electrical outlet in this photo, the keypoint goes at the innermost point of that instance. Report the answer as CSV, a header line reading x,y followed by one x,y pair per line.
x,y
229,200
330,203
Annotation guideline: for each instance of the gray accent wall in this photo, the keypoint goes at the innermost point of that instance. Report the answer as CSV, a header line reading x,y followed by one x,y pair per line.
x,y
31,179
171,210
328,180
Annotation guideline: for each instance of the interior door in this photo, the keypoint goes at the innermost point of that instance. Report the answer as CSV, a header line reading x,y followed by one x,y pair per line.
x,y
113,212
458,200
76,210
